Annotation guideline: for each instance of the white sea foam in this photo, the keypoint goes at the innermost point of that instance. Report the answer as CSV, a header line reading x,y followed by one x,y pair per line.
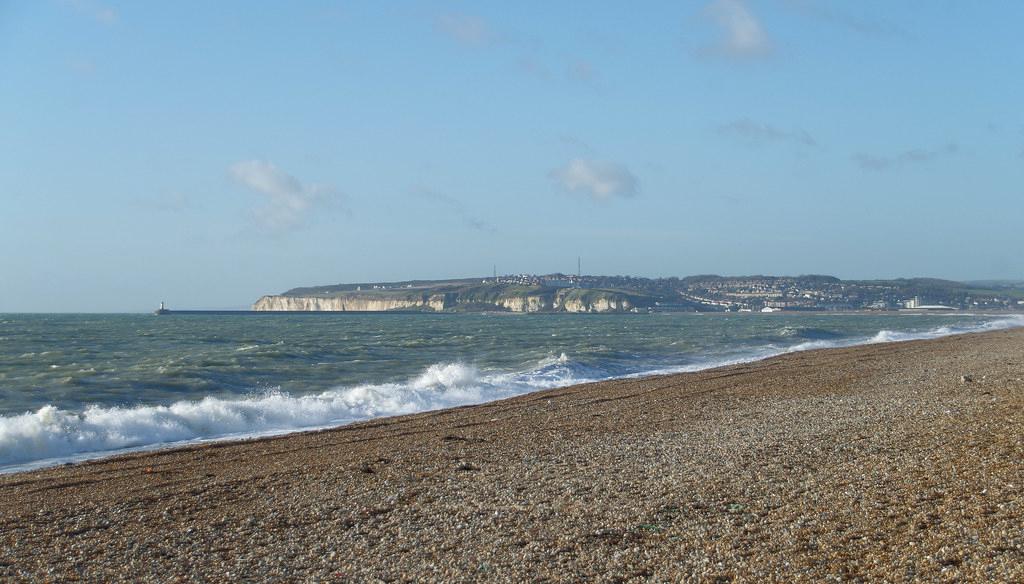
x,y
51,436
886,336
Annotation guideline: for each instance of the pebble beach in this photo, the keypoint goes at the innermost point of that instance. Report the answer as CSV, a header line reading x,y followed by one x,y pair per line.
x,y
894,462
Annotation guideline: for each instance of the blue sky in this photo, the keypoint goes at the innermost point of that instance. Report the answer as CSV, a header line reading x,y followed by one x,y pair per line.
x,y
208,153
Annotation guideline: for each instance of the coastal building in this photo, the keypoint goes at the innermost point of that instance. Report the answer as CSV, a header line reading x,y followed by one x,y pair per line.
x,y
558,283
915,304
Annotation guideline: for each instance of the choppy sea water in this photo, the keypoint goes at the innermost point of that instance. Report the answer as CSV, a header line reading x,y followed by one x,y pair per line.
x,y
74,387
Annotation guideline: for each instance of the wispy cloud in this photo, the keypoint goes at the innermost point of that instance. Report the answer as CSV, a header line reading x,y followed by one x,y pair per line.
x,y
576,144
167,202
288,201
828,13
760,132
742,35
600,180
581,72
456,207
474,31
97,11
466,29
915,156
82,66
534,67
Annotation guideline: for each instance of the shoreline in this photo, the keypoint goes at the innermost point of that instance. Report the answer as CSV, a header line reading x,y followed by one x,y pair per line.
x,y
875,461
807,345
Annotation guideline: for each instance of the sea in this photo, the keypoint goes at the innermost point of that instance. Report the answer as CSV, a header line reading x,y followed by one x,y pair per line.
x,y
77,387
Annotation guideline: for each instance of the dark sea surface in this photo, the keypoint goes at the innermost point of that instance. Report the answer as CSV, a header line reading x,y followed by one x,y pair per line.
x,y
82,386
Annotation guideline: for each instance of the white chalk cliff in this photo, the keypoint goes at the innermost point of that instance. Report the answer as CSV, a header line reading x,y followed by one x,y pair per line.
x,y
347,303
563,300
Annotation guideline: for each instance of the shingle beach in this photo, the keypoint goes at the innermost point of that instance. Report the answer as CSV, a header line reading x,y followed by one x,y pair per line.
x,y
886,462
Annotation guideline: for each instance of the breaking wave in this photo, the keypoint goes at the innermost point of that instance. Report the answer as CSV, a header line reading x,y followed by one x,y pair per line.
x,y
50,436
808,333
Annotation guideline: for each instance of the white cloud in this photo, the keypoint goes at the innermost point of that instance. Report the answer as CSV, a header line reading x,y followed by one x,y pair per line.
x,y
289,201
742,33
465,28
600,180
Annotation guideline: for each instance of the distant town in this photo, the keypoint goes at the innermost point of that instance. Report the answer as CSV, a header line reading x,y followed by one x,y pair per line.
x,y
712,292
704,293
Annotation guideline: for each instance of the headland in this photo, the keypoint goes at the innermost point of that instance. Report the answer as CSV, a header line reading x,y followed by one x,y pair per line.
x,y
618,294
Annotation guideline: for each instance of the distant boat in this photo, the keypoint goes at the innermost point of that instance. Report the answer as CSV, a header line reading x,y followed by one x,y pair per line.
x,y
161,310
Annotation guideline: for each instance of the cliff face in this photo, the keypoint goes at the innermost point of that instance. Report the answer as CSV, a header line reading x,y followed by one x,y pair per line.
x,y
351,303
526,303
602,304
563,300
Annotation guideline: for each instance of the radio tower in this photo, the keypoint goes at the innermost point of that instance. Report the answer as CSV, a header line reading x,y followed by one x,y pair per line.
x,y
579,271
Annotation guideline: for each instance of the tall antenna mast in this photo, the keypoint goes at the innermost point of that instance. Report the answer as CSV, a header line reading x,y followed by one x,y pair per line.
x,y
579,269
495,272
